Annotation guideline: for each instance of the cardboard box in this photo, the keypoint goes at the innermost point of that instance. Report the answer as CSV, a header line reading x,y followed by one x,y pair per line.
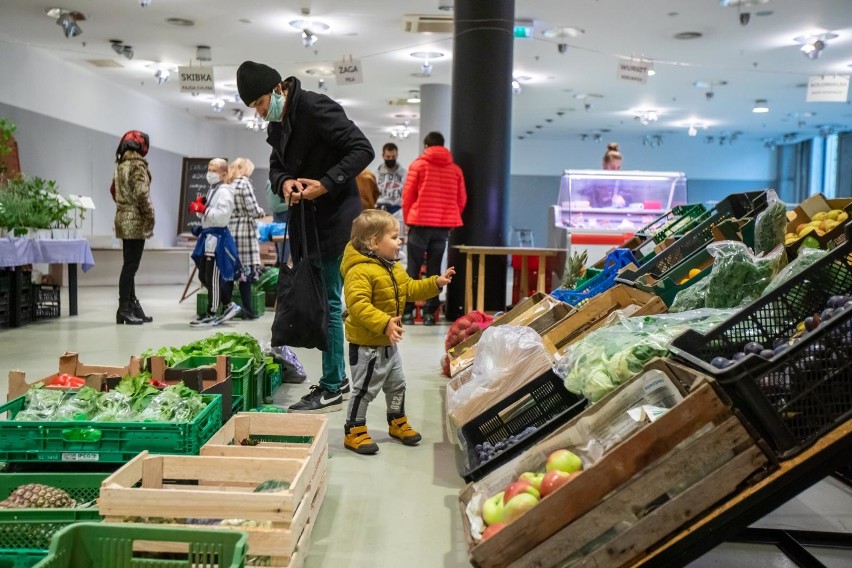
x,y
69,363
206,380
540,312
659,478
594,315
804,213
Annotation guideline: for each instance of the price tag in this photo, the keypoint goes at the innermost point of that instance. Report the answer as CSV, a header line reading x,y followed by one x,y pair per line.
x,y
80,457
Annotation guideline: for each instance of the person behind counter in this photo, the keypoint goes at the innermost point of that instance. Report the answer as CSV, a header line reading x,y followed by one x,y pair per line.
x,y
607,195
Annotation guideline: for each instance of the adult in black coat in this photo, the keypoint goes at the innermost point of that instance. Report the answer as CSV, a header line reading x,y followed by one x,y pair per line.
x,y
317,153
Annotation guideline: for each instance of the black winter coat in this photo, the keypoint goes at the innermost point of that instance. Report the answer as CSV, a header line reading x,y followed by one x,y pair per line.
x,y
316,140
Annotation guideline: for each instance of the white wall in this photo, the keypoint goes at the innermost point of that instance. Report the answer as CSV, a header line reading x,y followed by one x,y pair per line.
x,y
744,160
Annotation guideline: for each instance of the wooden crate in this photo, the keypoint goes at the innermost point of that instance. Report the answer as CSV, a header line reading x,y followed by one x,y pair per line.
x,y
290,436
594,315
540,311
224,490
661,477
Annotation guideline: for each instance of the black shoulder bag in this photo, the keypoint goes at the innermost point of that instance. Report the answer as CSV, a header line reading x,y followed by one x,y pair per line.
x,y
301,310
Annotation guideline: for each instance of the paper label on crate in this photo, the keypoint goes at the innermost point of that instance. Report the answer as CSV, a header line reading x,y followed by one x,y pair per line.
x,y
80,457
646,413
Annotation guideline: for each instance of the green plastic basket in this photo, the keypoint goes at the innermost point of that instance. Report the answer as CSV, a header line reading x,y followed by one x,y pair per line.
x,y
102,545
106,442
669,285
237,404
258,302
272,380
21,558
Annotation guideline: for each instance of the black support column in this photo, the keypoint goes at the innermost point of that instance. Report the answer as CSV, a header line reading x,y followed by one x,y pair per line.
x,y
481,138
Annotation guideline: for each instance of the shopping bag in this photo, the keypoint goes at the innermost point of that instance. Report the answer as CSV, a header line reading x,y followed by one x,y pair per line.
x,y
301,311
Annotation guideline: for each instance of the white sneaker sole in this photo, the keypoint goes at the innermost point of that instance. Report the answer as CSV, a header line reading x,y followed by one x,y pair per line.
x,y
324,410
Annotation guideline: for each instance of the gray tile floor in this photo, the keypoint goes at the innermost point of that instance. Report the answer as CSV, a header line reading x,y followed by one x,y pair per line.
x,y
399,506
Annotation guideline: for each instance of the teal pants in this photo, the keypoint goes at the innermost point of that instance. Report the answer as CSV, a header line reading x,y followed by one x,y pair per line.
x,y
333,362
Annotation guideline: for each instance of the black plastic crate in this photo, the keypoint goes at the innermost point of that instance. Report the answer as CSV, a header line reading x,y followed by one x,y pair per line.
x,y
735,206
802,392
544,403
47,302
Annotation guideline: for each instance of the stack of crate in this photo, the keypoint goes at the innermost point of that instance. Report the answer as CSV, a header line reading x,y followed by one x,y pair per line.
x,y
236,470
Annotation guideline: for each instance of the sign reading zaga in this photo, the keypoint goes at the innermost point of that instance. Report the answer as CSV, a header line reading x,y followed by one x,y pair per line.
x,y
348,72
196,80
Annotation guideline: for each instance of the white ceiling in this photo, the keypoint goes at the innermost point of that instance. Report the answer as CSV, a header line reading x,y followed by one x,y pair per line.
x,y
758,61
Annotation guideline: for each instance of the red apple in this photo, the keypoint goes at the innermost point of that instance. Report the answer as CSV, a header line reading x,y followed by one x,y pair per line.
x,y
532,478
492,530
517,488
517,506
554,480
492,509
564,460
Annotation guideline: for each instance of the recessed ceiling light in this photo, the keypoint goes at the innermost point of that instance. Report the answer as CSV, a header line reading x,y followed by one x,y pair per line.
x,y
760,106
244,21
183,22
320,71
674,14
742,3
426,54
563,31
523,77
580,96
801,114
688,35
312,25
708,84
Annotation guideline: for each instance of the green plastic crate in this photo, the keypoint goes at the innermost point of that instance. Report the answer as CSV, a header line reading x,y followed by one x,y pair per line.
x,y
21,558
237,405
258,302
102,545
239,369
679,221
30,530
669,285
110,442
272,380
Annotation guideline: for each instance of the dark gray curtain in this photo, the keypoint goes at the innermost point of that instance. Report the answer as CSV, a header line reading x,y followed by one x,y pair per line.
x,y
844,165
794,171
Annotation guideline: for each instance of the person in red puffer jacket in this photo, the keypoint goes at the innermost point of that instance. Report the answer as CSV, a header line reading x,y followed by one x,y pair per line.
x,y
433,200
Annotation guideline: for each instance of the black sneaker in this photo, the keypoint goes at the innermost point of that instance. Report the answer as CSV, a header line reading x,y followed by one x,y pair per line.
x,y
346,389
429,319
408,319
319,401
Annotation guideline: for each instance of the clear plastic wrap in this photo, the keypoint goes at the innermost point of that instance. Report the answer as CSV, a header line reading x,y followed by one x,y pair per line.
x,y
608,356
770,225
79,406
807,258
507,358
737,277
113,407
40,405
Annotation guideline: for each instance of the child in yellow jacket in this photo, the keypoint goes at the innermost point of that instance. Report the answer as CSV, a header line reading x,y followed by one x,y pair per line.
x,y
376,289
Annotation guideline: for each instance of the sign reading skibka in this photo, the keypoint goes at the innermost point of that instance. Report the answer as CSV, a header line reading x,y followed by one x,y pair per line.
x,y
348,72
633,70
196,80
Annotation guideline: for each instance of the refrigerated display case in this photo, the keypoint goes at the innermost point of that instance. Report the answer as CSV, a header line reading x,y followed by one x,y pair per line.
x,y
598,209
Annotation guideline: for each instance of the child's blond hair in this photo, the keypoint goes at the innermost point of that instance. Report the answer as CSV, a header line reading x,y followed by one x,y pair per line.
x,y
370,223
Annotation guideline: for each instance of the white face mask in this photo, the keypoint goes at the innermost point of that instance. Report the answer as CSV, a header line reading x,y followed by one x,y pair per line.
x,y
213,178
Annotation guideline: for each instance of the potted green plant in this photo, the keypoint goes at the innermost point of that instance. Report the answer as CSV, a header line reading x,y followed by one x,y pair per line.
x,y
33,207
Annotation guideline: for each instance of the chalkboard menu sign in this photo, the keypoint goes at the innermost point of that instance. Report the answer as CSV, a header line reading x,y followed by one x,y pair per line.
x,y
193,182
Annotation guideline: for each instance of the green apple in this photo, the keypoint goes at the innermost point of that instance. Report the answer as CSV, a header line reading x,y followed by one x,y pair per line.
x,y
517,506
564,460
492,509
532,478
517,488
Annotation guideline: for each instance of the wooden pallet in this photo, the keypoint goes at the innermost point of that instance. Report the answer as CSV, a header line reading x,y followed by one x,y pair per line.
x,y
145,488
267,427
651,484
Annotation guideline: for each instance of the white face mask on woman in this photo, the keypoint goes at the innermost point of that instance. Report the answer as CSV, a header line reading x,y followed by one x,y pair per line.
x,y
213,178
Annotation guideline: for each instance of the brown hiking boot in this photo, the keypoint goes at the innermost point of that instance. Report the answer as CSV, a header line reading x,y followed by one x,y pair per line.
x,y
400,429
359,441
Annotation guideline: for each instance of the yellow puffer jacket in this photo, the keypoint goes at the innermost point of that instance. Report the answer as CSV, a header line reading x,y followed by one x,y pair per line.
x,y
376,293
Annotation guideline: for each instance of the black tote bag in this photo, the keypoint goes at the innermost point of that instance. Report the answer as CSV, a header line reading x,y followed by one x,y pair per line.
x,y
301,310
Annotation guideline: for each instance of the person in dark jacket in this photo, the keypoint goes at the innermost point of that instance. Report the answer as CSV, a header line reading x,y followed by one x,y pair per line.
x,y
317,153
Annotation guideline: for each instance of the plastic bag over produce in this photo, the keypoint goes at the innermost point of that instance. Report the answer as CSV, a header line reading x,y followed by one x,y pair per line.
x,y
507,358
608,356
738,277
807,258
771,224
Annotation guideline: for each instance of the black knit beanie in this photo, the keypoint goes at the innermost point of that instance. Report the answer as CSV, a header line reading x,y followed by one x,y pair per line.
x,y
255,80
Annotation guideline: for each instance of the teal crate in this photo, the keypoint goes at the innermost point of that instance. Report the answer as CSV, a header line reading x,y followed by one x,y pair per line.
x,y
21,558
94,545
237,405
258,302
110,442
272,380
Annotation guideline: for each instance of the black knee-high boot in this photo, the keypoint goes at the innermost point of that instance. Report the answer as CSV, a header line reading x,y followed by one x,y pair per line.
x,y
245,296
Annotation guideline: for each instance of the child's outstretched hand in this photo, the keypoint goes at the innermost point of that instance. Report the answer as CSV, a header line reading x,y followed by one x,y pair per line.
x,y
394,329
446,277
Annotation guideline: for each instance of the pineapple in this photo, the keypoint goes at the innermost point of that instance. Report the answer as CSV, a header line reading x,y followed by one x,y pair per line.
x,y
575,268
38,496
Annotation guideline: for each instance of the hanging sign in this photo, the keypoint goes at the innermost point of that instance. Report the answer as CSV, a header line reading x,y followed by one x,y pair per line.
x,y
633,70
348,71
196,80
828,89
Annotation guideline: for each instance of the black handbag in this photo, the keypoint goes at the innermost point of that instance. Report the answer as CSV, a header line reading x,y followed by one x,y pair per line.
x,y
301,310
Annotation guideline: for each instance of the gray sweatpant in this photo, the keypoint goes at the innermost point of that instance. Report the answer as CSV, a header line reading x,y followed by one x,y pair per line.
x,y
374,369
